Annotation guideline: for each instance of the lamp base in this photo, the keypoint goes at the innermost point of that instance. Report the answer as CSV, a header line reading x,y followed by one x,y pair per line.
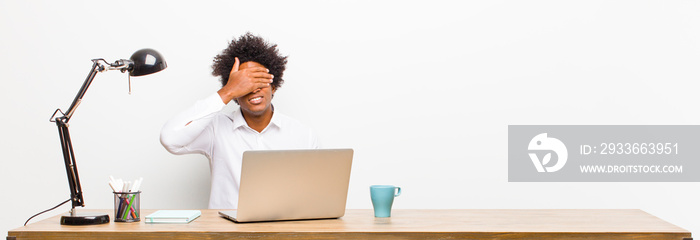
x,y
84,218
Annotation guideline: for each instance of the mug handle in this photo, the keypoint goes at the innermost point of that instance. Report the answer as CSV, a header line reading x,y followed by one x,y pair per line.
x,y
399,192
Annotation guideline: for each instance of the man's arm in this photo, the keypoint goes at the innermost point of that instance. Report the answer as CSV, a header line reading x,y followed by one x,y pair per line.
x,y
190,131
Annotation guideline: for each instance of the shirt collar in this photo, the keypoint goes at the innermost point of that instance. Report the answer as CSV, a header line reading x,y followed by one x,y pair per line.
x,y
236,117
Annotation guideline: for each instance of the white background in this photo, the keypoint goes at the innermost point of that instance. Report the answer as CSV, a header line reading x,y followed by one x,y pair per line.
x,y
423,91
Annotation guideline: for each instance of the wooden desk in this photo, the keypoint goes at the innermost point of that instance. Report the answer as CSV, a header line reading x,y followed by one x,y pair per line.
x,y
404,224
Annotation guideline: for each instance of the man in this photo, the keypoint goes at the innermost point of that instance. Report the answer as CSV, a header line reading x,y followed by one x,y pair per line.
x,y
251,72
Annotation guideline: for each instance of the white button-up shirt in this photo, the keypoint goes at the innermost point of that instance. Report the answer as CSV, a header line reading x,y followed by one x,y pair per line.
x,y
223,137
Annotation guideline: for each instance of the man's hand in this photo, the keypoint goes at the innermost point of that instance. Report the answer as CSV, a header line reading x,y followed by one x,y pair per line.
x,y
241,82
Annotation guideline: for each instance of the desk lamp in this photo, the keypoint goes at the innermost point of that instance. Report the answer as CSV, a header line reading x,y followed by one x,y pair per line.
x,y
142,62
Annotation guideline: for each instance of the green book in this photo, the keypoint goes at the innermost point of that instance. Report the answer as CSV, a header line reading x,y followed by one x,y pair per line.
x,y
173,216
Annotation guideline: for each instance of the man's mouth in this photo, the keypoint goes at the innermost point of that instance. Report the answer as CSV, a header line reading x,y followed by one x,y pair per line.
x,y
256,100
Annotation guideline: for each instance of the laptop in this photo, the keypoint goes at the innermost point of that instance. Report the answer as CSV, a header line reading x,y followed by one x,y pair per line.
x,y
292,185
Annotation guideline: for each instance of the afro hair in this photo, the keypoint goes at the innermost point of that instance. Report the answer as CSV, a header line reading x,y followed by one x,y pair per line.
x,y
250,48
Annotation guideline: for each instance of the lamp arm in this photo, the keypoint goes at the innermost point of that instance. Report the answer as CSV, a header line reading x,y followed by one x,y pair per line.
x,y
99,65
76,192
96,67
66,144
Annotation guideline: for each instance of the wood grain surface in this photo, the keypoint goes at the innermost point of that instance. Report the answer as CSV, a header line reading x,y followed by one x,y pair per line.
x,y
404,224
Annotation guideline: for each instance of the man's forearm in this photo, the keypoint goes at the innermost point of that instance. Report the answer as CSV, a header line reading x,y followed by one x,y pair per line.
x,y
185,132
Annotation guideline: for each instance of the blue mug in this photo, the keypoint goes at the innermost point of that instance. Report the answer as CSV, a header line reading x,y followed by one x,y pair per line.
x,y
383,198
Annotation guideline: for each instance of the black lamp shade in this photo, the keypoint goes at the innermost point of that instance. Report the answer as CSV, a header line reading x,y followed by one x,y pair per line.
x,y
147,61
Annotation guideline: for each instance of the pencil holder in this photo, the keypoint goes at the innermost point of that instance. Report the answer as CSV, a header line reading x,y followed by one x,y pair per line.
x,y
127,206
